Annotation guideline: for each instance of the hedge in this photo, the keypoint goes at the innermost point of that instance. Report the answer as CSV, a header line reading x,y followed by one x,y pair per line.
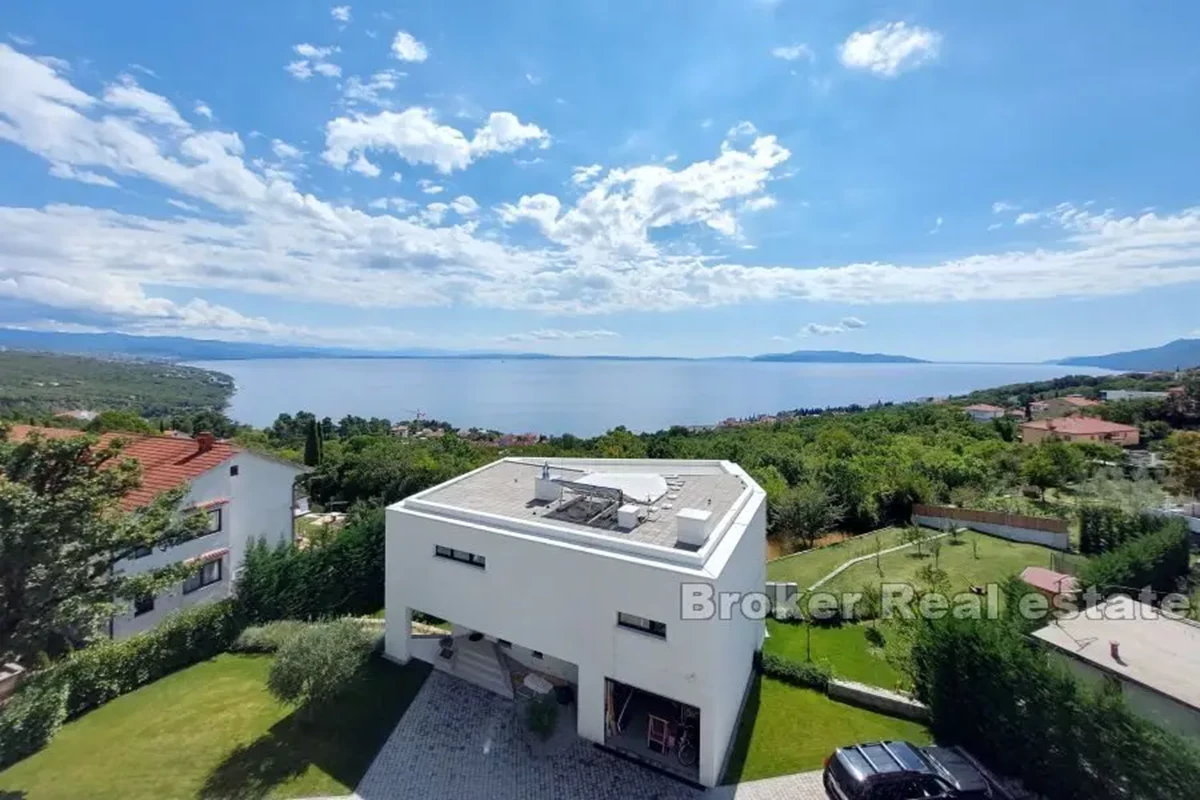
x,y
30,719
991,690
797,673
1105,528
270,637
1157,560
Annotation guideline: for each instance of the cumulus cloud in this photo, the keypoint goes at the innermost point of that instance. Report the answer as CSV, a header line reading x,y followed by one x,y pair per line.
x,y
794,52
372,90
416,136
406,48
889,49
1027,217
340,13
203,110
127,95
313,59
845,325
1000,207
582,176
430,187
283,150
464,205
557,335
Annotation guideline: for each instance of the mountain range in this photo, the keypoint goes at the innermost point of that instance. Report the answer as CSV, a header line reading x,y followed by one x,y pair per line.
x,y
1179,354
180,348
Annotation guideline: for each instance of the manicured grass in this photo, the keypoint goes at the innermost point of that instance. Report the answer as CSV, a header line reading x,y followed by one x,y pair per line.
x,y
786,729
213,731
808,567
845,648
976,560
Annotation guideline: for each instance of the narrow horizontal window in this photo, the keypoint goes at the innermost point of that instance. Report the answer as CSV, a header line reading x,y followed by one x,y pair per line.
x,y
460,555
634,622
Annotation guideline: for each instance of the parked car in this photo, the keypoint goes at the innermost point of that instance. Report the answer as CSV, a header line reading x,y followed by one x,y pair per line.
x,y
902,771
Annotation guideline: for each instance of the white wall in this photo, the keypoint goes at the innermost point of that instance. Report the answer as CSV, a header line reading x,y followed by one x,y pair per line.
x,y
1159,709
1058,541
259,504
562,599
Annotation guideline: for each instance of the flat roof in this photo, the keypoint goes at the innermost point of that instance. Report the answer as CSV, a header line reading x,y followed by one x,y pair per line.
x,y
502,494
1157,650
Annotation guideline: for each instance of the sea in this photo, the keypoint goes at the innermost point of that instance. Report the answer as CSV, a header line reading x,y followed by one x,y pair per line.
x,y
587,397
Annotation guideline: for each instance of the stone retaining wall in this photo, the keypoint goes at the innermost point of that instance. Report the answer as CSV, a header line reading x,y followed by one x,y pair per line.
x,y
876,699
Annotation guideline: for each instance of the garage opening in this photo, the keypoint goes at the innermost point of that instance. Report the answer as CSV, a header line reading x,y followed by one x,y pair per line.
x,y
656,730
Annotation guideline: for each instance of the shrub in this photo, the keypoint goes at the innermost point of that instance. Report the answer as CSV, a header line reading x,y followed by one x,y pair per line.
x,y
797,673
1157,560
268,638
1105,528
30,720
319,662
542,715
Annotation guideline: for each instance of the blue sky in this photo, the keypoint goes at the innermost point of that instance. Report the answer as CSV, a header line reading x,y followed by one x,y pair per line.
x,y
958,181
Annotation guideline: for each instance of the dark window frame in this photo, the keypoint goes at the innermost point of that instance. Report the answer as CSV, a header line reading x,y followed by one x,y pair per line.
x,y
633,622
461,556
140,605
218,514
198,580
233,471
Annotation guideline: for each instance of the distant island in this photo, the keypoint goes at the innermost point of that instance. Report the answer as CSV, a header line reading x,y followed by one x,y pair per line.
x,y
182,348
1179,354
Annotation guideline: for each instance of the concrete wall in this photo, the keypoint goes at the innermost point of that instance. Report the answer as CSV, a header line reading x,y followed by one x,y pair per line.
x,y
562,599
1058,541
876,699
259,504
1163,711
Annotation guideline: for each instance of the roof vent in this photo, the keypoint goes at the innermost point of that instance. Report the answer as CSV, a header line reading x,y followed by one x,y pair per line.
x,y
692,526
545,488
627,516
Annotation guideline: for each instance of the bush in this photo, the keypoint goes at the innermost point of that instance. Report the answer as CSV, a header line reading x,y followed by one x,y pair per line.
x,y
542,715
343,577
30,719
319,662
1157,560
1105,528
797,673
268,638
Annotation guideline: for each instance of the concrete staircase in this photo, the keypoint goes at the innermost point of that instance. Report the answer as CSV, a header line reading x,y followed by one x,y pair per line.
x,y
478,663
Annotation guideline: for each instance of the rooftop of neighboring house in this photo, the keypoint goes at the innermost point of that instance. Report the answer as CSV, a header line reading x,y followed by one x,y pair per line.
x,y
1079,426
1048,580
671,510
986,407
1154,649
167,461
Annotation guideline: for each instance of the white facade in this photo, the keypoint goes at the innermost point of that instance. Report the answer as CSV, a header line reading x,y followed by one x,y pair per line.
x,y
1132,394
982,413
557,589
255,502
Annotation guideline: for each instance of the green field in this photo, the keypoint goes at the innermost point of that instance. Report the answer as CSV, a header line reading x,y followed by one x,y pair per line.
x,y
786,729
810,566
845,648
213,731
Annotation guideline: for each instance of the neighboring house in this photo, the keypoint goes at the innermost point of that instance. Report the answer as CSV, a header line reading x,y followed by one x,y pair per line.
x,y
1061,406
1111,395
1079,429
245,495
580,570
983,412
1146,654
1050,583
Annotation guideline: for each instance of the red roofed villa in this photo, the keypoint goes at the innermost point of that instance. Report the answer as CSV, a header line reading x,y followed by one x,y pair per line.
x,y
246,496
1079,429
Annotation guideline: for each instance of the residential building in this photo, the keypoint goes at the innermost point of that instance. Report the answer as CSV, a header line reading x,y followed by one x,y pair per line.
x,y
580,571
984,412
1148,655
1079,429
1111,395
245,495
1051,584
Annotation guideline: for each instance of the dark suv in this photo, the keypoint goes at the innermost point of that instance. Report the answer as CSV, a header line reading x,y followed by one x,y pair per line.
x,y
902,771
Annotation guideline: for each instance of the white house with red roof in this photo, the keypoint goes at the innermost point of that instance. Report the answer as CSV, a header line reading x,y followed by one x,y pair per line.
x,y
246,496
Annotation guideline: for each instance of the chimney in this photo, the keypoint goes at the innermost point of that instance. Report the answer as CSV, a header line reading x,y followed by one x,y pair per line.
x,y
1114,650
204,441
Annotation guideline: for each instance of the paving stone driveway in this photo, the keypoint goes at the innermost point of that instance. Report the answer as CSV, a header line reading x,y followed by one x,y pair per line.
x,y
459,741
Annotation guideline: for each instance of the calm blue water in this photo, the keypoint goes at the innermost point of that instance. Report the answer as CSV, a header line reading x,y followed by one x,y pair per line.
x,y
589,397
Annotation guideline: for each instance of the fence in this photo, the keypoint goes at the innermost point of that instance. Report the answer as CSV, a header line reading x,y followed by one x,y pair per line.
x,y
1016,527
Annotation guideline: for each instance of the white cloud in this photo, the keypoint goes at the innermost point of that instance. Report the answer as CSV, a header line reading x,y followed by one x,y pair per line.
x,y
283,150
464,205
794,52
434,213
183,206
371,90
1028,217
151,107
891,48
995,226
364,167
937,225
845,325
23,41
314,53
429,187
67,172
340,13
203,110
541,209
327,69
558,335
406,48
706,123
397,177
1000,207
852,323
313,59
582,176
416,136
743,128
761,203
300,70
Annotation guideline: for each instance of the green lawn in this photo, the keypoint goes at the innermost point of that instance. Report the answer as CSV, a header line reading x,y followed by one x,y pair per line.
x,y
808,567
786,729
978,559
845,648
213,731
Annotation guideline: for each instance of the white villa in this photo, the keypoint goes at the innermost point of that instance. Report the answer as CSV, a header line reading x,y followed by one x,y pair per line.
x,y
574,573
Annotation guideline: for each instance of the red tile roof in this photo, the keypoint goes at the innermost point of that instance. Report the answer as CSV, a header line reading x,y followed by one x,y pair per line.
x,y
1080,426
167,461
1048,580
211,555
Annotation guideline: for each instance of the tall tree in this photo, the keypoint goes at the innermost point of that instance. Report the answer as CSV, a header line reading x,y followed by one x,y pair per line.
x,y
1185,460
312,444
63,534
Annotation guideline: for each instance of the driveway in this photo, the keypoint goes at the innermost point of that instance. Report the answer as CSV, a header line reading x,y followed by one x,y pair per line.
x,y
459,741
